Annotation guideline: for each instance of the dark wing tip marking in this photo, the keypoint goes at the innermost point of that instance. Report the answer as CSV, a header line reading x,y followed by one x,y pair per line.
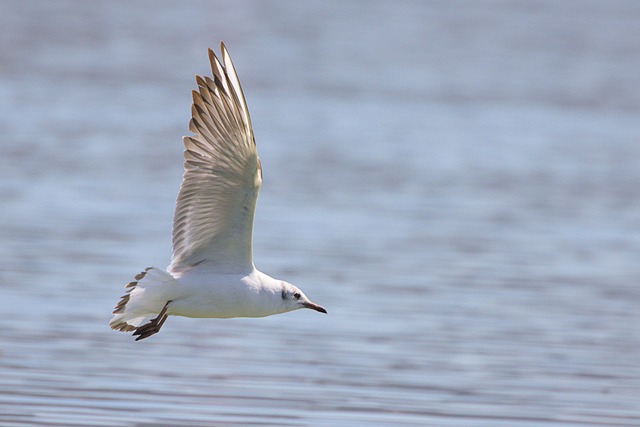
x,y
124,299
123,327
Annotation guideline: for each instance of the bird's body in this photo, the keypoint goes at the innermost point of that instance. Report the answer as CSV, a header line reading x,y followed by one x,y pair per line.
x,y
228,295
211,272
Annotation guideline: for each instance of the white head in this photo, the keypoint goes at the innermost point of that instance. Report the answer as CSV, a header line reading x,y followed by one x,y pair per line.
x,y
293,299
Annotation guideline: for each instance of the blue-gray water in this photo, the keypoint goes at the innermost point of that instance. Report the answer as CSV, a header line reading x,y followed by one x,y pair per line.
x,y
457,182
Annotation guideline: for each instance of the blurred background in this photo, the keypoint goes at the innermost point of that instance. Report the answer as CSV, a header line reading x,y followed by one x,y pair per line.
x,y
457,182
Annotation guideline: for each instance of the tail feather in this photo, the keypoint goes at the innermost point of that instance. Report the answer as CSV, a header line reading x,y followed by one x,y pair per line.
x,y
146,297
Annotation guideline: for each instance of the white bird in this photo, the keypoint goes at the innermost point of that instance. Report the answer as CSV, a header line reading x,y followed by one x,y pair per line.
x,y
211,272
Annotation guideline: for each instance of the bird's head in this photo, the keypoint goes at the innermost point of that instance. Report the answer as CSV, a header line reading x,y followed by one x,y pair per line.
x,y
293,299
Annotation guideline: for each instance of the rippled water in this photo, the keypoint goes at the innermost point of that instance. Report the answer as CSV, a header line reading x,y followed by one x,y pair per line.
x,y
457,182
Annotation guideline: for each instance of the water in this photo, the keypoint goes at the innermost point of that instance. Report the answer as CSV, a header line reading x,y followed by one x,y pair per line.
x,y
456,182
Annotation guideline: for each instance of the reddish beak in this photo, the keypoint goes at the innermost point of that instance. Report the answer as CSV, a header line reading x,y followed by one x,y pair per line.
x,y
315,307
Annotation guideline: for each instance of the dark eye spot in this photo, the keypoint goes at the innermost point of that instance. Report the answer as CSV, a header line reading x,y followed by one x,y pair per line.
x,y
296,295
284,294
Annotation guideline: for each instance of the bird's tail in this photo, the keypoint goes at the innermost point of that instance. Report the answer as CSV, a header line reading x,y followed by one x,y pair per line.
x,y
145,298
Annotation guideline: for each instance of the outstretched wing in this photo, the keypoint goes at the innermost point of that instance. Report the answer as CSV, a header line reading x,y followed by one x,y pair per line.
x,y
213,220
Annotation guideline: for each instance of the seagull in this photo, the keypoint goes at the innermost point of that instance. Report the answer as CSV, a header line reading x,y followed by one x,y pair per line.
x,y
211,274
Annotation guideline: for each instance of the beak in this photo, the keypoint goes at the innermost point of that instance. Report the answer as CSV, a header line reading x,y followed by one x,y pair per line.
x,y
313,306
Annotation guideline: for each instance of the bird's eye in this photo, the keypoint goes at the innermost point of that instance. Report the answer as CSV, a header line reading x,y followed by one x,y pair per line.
x,y
296,295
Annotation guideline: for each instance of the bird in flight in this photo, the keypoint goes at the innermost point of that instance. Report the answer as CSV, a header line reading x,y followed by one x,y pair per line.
x,y
211,273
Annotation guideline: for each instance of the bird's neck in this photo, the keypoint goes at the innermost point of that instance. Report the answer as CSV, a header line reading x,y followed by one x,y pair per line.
x,y
270,291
